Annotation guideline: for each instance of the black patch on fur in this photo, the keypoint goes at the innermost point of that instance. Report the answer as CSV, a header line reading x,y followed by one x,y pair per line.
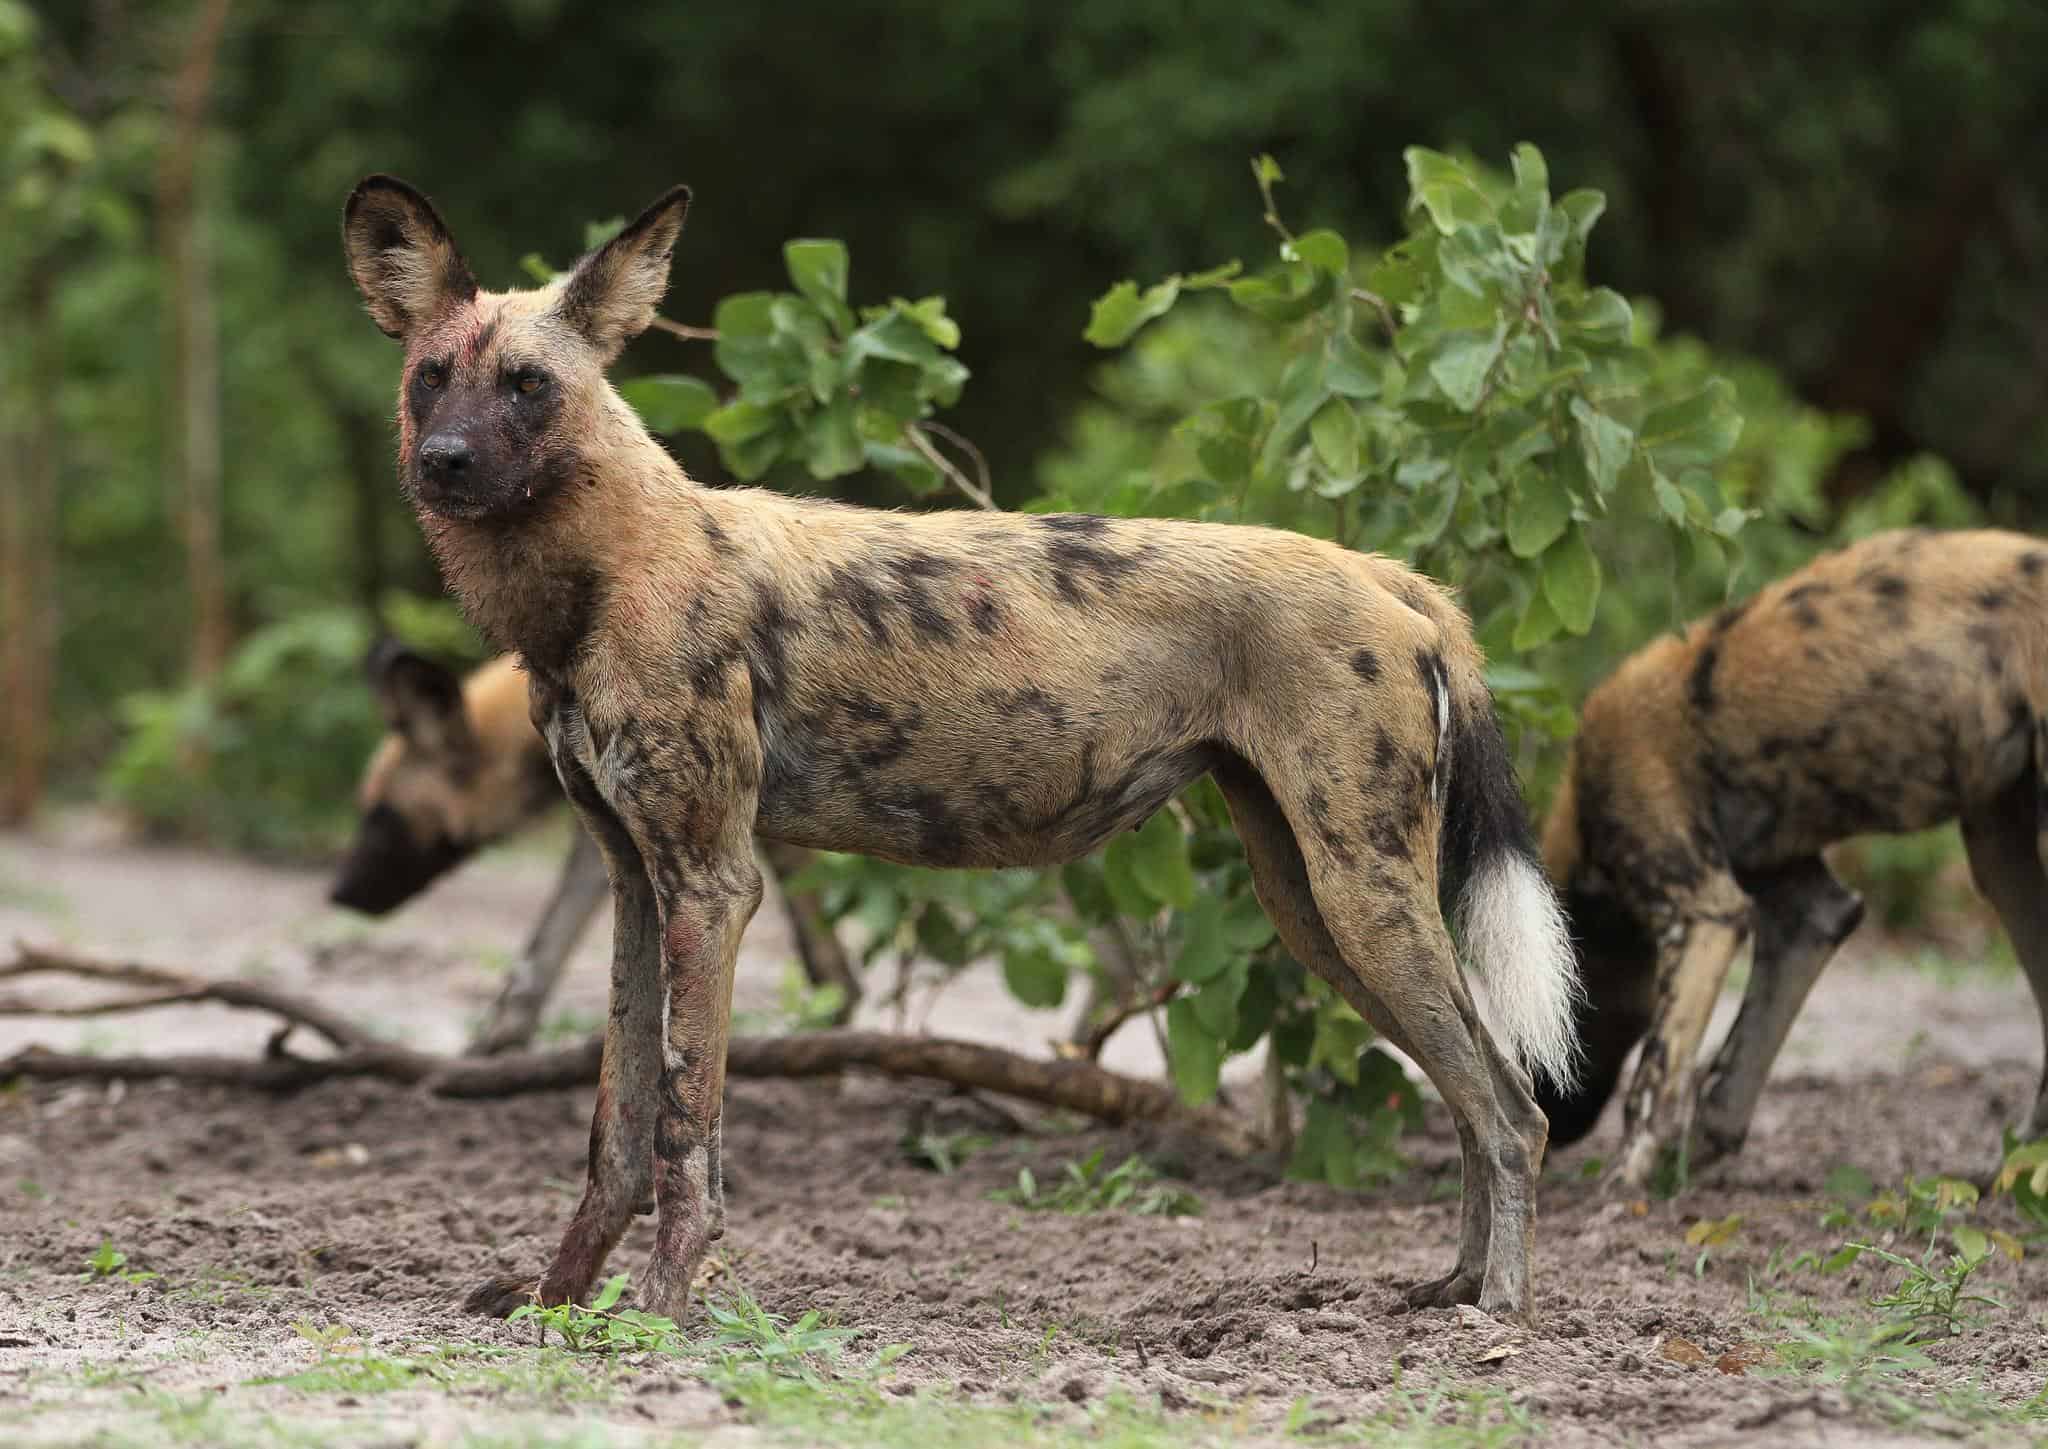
x,y
1484,817
858,593
1699,687
984,614
1385,753
714,533
563,621
912,573
1087,524
1992,600
2032,562
420,399
1890,586
1366,665
1076,553
1620,962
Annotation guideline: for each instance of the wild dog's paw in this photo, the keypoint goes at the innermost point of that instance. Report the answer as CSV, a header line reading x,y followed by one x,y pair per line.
x,y
498,1297
1455,1287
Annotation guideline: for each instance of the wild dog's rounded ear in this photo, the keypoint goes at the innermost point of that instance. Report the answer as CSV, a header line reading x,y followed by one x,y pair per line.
x,y
400,253
611,295
420,699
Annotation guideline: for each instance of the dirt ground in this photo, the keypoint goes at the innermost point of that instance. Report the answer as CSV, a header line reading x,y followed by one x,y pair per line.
x,y
1271,1312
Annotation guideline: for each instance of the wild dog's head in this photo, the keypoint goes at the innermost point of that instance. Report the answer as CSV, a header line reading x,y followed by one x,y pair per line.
x,y
501,390
456,772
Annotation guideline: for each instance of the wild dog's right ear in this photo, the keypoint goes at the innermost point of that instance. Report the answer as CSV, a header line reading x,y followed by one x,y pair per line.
x,y
611,296
420,699
402,258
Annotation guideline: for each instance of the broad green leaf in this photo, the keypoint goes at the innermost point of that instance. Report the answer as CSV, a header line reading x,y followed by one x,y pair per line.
x,y
1605,443
1120,878
1571,581
940,936
1599,319
1971,1242
1161,862
1123,309
669,402
1035,975
1349,369
1267,169
609,1295
738,421
1285,293
1325,249
1244,923
744,314
1441,186
1539,511
832,442
1461,367
1696,431
818,269
1334,431
1538,624
1196,1053
1669,499
1204,951
892,337
1216,276
1216,1003
1088,891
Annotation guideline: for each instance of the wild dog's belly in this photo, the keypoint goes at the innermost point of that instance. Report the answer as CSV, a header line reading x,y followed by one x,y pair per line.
x,y
991,805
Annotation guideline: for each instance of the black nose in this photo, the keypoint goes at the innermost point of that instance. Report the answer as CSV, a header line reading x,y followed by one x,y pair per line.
x,y
446,455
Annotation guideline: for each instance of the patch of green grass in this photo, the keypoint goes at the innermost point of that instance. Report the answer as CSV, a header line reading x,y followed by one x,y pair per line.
x,y
943,1152
1133,1185
110,1264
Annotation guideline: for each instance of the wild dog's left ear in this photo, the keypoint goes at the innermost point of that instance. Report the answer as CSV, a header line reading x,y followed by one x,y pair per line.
x,y
400,253
420,699
611,296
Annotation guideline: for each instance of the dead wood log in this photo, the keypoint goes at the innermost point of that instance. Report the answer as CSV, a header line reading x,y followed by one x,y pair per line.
x,y
1074,1085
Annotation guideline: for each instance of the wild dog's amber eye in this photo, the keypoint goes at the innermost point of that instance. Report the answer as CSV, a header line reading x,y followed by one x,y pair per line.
x,y
433,375
529,382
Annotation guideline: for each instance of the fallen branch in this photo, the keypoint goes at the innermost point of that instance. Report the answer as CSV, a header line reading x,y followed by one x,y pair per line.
x,y
1071,1085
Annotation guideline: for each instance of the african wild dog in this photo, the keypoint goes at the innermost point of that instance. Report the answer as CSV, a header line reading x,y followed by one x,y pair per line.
x,y
1891,686
463,767
945,689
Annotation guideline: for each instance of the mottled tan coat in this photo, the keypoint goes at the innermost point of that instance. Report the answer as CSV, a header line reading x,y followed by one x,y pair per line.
x,y
1891,686
953,689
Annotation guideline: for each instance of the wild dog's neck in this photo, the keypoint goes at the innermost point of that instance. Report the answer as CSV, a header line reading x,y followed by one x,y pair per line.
x,y
533,584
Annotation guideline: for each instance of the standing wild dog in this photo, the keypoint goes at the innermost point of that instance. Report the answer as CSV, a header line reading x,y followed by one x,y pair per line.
x,y
1889,687
945,689
463,767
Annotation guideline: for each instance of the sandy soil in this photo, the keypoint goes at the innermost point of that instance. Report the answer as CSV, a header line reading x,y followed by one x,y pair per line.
x,y
373,1208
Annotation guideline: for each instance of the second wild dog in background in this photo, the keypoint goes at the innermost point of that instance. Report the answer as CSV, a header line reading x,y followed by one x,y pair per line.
x,y
1891,686
463,768
945,689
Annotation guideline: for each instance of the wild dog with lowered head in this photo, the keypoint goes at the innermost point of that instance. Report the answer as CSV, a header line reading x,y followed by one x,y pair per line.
x,y
945,689
462,768
1891,686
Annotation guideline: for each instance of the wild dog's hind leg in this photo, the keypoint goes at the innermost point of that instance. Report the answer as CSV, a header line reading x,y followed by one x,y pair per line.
x,y
1696,942
1802,915
620,1172
1280,878
2007,850
579,890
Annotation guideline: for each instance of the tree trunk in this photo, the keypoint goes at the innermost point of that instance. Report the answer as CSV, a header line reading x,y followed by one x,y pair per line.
x,y
28,552
194,360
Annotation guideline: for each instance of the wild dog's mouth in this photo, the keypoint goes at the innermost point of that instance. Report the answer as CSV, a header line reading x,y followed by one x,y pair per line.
x,y
387,866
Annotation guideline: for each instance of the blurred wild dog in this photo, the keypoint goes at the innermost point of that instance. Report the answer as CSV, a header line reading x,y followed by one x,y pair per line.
x,y
463,767
945,689
1889,687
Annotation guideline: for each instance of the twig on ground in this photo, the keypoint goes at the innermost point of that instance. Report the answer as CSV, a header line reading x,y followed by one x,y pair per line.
x,y
1073,1085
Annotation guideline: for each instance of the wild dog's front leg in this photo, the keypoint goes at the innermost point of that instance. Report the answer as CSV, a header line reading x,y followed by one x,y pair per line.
x,y
515,1015
622,1127
702,922
1693,954
1802,914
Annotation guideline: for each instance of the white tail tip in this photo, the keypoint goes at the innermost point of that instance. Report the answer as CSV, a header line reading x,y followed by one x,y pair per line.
x,y
1515,940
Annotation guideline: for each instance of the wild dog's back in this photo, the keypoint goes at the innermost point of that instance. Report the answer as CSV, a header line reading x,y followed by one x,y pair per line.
x,y
1880,689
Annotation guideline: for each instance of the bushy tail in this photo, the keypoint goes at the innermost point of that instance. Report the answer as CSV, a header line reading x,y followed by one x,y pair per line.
x,y
1509,928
